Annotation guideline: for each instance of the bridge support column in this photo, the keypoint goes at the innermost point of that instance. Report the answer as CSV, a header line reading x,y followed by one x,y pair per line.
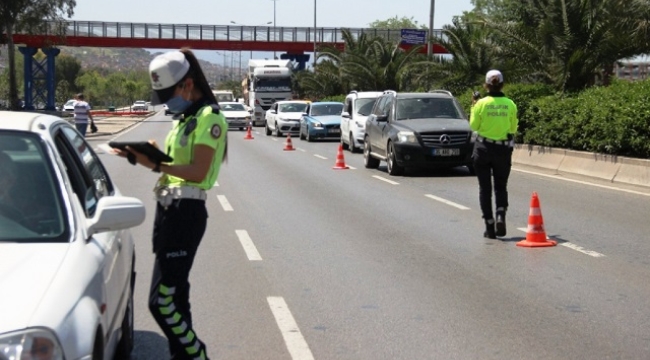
x,y
39,77
301,59
28,55
50,79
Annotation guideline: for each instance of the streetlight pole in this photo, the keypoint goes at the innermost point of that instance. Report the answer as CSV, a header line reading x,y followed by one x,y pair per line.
x,y
314,35
430,42
274,29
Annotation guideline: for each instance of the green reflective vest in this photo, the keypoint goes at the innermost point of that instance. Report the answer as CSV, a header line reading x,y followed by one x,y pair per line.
x,y
494,117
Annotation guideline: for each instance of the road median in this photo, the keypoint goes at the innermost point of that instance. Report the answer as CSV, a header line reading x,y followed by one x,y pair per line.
x,y
615,169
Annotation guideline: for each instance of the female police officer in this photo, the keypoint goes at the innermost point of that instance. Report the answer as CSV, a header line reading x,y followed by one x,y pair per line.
x,y
494,118
197,143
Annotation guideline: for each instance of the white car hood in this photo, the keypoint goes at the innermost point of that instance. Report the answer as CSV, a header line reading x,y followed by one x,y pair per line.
x,y
235,114
26,272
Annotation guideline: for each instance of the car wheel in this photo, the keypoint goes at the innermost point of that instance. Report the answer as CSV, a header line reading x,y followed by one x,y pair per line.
x,y
309,138
368,161
353,148
277,131
301,135
391,162
125,346
471,170
241,129
267,131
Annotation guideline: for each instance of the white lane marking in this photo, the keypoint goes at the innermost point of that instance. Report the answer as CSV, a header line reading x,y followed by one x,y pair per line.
x,y
386,180
247,244
351,167
296,344
216,183
274,139
582,182
224,203
320,156
445,201
572,246
301,149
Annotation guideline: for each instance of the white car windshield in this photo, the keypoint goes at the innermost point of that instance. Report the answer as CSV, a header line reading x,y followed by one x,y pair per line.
x,y
30,201
293,108
232,107
364,106
426,108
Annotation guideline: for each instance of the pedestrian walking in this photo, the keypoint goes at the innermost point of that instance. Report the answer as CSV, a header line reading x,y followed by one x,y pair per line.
x,y
82,115
494,119
198,145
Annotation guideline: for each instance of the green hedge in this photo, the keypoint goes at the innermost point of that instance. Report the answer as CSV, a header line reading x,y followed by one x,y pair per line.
x,y
611,120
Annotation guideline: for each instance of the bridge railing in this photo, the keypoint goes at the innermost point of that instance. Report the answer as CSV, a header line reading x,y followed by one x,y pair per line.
x,y
214,32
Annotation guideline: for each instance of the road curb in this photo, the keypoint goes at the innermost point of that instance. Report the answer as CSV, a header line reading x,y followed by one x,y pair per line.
x,y
615,169
119,129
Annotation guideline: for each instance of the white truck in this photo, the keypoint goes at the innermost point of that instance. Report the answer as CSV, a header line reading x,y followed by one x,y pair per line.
x,y
267,82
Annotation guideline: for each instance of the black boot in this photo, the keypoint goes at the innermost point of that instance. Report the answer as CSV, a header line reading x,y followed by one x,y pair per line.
x,y
501,222
489,229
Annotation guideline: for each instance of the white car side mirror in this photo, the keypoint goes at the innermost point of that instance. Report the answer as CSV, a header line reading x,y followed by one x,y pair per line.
x,y
116,213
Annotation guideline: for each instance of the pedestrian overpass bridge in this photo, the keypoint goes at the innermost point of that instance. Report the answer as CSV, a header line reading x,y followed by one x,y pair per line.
x,y
291,42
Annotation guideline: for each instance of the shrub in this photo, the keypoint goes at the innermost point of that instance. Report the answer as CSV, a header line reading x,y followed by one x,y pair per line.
x,y
339,98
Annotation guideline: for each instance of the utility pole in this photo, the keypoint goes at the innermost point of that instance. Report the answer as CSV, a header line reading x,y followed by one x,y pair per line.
x,y
314,35
430,42
274,26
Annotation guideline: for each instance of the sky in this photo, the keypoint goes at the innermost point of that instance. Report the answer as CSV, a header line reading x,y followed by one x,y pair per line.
x,y
290,13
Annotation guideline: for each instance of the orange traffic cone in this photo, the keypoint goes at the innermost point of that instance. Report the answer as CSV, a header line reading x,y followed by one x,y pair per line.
x,y
340,162
535,235
249,135
288,146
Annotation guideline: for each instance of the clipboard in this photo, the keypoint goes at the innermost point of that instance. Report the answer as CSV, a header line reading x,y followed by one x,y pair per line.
x,y
144,147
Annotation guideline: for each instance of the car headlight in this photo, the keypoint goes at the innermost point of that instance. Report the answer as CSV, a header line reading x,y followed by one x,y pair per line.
x,y
317,125
283,119
32,344
406,137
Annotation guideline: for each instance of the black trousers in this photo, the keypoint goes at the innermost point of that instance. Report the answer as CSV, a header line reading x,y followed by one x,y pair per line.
x,y
177,233
492,161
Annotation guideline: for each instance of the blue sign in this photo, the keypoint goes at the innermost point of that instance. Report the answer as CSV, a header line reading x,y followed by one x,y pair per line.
x,y
414,37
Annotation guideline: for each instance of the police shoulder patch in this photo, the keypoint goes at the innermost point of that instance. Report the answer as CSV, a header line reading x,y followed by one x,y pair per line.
x,y
215,131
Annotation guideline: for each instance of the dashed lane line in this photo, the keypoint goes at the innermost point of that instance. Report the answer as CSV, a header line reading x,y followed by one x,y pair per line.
x,y
247,244
385,180
224,203
573,246
295,342
320,156
445,201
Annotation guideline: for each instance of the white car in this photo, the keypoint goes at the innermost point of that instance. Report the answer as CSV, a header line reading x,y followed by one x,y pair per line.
x,y
236,115
69,105
140,105
353,122
66,254
284,116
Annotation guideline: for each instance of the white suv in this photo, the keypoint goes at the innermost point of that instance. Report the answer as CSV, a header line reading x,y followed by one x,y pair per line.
x,y
353,122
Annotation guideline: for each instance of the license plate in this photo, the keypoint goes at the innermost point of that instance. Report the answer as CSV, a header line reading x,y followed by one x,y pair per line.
x,y
334,131
446,152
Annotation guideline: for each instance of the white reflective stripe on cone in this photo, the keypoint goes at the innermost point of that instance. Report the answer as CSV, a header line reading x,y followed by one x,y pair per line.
x,y
535,212
535,229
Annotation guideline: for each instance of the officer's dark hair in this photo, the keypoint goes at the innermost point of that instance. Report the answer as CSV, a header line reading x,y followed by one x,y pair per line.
x,y
495,86
80,96
201,82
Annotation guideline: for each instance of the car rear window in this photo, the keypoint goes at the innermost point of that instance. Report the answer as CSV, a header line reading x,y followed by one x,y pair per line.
x,y
31,207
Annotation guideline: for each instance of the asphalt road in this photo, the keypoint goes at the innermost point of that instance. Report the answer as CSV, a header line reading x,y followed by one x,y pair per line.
x,y
301,261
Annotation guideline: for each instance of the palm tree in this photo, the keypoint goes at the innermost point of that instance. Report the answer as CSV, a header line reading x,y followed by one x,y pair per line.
x,y
569,42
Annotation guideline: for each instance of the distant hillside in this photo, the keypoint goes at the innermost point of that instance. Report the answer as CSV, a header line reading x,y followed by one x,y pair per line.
x,y
124,59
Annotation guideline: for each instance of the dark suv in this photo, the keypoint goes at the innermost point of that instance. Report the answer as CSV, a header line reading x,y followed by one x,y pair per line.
x,y
419,130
